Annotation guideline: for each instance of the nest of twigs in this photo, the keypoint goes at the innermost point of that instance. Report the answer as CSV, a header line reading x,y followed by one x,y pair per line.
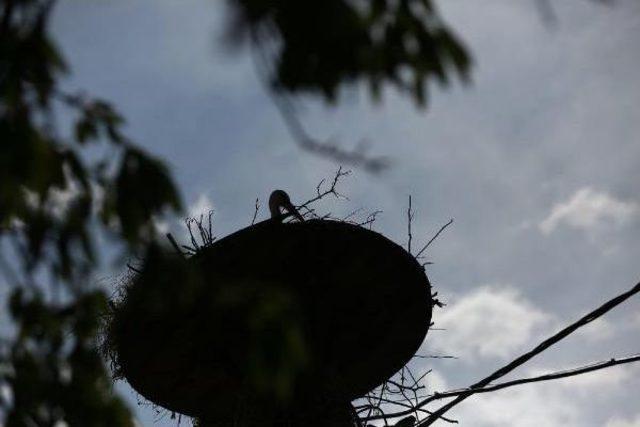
x,y
280,322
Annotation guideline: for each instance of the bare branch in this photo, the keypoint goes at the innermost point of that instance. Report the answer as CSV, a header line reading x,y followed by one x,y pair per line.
x,y
410,215
495,387
370,219
357,156
174,244
434,356
545,377
322,193
188,222
590,317
424,248
255,212
134,269
347,218
204,230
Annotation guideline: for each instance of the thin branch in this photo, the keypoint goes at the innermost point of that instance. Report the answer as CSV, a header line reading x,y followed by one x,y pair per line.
x,y
204,230
495,387
357,156
590,317
188,222
409,220
370,219
434,356
322,193
132,268
175,244
545,377
424,248
189,249
347,218
255,212
410,410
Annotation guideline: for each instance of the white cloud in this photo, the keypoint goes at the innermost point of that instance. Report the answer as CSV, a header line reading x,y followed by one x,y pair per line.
x,y
588,209
604,380
201,206
525,406
60,200
553,404
488,322
522,407
161,226
6,394
623,422
584,386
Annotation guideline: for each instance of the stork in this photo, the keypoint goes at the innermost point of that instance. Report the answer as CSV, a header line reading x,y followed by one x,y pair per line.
x,y
280,199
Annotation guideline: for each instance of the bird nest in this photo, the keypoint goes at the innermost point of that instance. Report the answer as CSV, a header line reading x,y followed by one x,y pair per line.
x,y
276,316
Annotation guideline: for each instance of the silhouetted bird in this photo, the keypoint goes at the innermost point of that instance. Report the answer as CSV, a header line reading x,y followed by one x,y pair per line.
x,y
280,199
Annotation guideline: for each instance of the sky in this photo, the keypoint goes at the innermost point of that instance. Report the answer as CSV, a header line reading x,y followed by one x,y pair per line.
x,y
536,161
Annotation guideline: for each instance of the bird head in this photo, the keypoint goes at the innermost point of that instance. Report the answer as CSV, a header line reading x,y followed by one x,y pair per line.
x,y
279,199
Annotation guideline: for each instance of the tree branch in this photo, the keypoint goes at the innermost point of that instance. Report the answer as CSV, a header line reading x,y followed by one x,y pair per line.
x,y
255,212
590,317
495,387
304,208
174,244
435,236
410,215
545,377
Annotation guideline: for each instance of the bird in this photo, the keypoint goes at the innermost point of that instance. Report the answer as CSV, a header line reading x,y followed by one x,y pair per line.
x,y
280,199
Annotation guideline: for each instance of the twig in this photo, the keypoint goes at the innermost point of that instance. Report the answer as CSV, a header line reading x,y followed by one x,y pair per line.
x,y
194,242
189,249
347,218
206,232
357,156
540,378
132,268
590,317
371,218
435,236
409,219
321,194
434,356
545,377
175,244
255,212
401,404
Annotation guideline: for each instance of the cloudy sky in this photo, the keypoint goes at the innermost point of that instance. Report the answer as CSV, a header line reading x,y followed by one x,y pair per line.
x,y
537,161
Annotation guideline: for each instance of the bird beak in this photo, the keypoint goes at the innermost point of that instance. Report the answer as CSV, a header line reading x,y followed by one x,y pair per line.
x,y
293,211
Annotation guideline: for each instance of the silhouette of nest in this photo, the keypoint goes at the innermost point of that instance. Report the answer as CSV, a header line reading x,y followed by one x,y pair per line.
x,y
276,316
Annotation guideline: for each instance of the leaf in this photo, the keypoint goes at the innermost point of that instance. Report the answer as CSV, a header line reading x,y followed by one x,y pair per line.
x,y
142,189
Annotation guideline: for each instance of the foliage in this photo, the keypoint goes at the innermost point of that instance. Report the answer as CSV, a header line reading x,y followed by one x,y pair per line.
x,y
56,194
60,188
317,46
55,371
